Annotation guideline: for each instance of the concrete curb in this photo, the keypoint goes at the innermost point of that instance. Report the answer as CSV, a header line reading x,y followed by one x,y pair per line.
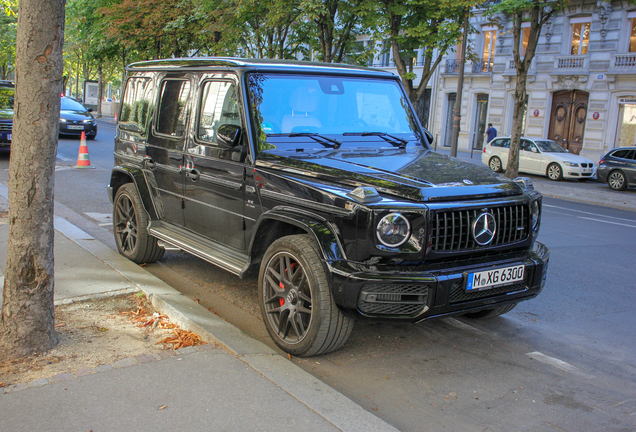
x,y
310,391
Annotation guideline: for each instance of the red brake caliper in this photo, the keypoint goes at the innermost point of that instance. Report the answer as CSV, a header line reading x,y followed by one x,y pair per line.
x,y
281,300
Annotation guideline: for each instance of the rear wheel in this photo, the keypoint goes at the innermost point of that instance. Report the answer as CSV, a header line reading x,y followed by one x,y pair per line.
x,y
495,164
555,172
617,181
491,313
130,223
296,302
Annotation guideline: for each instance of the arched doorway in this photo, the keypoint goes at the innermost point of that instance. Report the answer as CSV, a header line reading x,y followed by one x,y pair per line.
x,y
567,119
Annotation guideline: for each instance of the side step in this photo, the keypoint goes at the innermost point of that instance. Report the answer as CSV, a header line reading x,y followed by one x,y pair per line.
x,y
208,250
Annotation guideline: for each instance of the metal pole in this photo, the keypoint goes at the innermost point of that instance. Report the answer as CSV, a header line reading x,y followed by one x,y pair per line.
x,y
460,88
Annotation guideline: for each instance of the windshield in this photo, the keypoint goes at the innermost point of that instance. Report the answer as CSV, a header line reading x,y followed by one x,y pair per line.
x,y
6,98
71,105
289,108
550,147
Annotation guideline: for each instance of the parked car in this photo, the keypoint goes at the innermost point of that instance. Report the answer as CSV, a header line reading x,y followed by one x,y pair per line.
x,y
618,168
7,94
320,179
75,118
538,156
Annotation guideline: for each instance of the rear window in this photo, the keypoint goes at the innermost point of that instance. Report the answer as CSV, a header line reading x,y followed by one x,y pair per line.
x,y
624,154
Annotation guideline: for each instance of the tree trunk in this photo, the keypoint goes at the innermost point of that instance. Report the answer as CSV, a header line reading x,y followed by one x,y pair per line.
x,y
27,320
512,168
100,86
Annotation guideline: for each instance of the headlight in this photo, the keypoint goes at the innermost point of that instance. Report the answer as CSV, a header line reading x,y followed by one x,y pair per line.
x,y
535,215
63,120
87,121
571,164
393,230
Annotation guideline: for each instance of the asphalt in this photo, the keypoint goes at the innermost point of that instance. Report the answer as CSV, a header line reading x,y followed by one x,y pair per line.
x,y
246,386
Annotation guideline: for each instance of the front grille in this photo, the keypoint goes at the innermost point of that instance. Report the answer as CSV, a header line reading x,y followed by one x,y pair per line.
x,y
452,230
459,294
393,299
587,165
5,127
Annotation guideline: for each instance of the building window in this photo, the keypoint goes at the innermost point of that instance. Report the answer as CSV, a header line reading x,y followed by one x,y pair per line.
x,y
632,35
525,37
490,37
580,36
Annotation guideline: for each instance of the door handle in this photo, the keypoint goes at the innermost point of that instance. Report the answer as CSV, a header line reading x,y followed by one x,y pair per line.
x,y
192,173
148,163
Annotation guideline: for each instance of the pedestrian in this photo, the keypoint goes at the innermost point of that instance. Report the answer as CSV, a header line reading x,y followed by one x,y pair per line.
x,y
491,132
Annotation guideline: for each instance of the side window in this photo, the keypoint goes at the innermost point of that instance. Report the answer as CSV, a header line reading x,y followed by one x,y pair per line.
x,y
173,107
620,154
506,143
218,107
496,143
526,145
136,104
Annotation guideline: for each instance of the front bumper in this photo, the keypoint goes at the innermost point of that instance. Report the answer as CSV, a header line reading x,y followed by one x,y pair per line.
x,y
427,291
578,172
77,129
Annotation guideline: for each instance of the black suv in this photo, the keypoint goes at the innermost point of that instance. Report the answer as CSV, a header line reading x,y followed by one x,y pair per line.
x,y
7,95
321,178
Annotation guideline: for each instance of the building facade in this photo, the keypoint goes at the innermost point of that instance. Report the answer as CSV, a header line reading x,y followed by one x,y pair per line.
x,y
581,83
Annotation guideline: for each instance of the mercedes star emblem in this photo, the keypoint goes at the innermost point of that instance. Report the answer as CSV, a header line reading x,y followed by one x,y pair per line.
x,y
467,182
484,229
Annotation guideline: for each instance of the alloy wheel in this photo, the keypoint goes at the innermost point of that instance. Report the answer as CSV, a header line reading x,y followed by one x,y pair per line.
x,y
616,180
287,297
126,224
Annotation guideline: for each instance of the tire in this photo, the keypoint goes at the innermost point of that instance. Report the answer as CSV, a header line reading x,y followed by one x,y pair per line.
x,y
298,310
555,172
495,164
616,180
491,313
130,223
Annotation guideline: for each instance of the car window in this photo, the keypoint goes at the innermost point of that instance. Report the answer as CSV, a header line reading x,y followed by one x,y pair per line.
x,y
497,143
548,146
526,145
136,104
218,106
620,154
173,107
631,155
7,95
69,104
505,143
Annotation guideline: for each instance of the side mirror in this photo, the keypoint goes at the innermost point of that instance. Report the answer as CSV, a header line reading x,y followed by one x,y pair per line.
x,y
428,135
90,110
228,136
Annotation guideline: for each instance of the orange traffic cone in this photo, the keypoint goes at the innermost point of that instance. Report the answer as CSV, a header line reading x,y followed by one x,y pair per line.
x,y
83,160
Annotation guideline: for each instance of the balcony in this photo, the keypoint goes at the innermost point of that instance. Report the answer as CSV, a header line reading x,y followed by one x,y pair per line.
x,y
570,64
483,65
623,64
452,66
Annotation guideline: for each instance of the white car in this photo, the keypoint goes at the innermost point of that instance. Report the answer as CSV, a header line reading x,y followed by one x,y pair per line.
x,y
538,156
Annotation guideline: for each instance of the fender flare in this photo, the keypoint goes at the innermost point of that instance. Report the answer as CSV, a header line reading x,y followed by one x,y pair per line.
x,y
324,233
122,175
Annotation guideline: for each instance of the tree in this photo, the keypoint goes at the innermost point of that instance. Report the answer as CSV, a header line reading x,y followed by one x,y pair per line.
x,y
336,24
408,25
27,320
537,12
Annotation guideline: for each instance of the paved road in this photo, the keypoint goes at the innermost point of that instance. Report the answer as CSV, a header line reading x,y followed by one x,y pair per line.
x,y
565,361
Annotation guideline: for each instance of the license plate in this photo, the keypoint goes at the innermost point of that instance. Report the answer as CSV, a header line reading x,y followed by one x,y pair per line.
x,y
587,170
495,278
76,127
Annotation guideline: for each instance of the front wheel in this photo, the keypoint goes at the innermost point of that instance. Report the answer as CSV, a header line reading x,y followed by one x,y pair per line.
x,y
491,313
130,223
555,172
617,181
296,302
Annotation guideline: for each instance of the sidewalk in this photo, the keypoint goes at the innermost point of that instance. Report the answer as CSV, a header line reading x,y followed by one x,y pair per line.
x,y
247,386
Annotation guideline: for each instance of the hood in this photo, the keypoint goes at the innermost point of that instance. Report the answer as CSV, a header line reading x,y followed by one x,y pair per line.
x,y
569,157
75,115
414,173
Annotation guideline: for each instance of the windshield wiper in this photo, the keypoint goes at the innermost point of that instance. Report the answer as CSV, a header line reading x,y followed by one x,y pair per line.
x,y
325,141
391,139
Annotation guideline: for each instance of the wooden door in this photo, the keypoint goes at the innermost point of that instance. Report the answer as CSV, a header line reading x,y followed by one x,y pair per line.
x,y
567,119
